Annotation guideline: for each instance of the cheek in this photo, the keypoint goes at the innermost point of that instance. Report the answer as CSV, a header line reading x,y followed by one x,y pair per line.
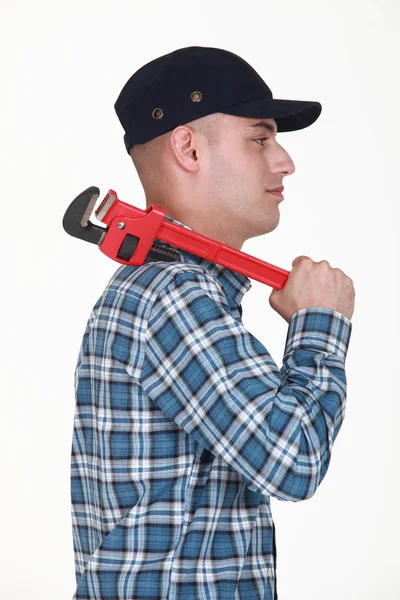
x,y
250,165
237,166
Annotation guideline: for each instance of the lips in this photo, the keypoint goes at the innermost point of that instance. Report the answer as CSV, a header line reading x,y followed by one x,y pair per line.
x,y
276,193
277,189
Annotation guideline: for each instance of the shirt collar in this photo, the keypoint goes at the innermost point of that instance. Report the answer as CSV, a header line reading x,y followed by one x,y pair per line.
x,y
234,284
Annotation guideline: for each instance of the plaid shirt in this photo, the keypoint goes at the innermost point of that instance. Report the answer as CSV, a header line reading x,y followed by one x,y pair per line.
x,y
185,427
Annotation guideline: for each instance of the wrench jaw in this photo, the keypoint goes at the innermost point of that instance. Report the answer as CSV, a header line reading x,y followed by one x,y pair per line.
x,y
89,210
105,205
76,220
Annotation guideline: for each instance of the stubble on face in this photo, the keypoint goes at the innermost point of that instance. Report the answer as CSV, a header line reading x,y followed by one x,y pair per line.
x,y
237,200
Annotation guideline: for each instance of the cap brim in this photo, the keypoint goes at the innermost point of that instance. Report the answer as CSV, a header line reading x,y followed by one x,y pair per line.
x,y
290,115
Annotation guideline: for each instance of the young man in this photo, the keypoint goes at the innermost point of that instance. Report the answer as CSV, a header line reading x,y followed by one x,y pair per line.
x,y
184,425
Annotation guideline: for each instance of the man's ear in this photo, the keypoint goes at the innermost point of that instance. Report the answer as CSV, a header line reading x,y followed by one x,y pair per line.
x,y
184,145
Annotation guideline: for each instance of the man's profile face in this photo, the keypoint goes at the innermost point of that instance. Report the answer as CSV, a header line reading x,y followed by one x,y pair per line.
x,y
247,162
220,188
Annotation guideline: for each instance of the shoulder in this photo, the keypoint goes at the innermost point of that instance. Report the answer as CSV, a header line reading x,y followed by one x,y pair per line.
x,y
158,276
154,282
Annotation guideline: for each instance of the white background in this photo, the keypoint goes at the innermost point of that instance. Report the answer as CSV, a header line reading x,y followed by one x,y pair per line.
x,y
63,65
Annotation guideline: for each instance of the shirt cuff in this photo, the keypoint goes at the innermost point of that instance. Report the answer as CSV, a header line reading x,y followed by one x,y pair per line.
x,y
320,329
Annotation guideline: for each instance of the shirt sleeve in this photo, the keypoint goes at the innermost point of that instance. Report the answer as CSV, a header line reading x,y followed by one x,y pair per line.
x,y
214,379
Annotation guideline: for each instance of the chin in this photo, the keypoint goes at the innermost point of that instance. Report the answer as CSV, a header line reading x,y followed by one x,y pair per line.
x,y
272,225
264,228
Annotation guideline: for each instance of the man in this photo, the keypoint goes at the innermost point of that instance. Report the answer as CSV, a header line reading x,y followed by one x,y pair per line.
x,y
184,425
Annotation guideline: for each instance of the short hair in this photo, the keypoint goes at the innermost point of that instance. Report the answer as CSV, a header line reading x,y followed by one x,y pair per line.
x,y
146,156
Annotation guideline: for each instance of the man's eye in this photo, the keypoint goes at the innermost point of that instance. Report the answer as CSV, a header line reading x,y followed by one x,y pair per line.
x,y
259,139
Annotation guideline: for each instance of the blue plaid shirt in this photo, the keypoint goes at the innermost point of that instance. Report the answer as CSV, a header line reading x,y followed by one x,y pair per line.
x,y
185,427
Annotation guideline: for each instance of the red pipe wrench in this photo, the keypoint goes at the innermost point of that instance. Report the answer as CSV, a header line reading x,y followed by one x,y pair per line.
x,y
130,236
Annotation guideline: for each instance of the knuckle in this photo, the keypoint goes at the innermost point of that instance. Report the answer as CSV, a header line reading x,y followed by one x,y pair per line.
x,y
303,261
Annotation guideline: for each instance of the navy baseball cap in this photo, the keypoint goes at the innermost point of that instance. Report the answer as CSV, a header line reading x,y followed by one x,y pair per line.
x,y
192,82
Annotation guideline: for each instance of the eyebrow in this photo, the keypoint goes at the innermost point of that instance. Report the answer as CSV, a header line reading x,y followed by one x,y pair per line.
x,y
267,126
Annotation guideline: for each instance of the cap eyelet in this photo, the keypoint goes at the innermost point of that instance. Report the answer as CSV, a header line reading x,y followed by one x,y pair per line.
x,y
157,113
196,96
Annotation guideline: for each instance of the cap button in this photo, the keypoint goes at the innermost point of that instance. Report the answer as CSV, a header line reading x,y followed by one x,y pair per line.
x,y
157,113
196,96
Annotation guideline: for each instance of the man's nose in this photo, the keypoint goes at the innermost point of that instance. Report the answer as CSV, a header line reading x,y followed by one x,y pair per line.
x,y
282,163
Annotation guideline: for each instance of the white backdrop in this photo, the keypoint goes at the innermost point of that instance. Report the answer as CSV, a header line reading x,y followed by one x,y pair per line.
x,y
63,65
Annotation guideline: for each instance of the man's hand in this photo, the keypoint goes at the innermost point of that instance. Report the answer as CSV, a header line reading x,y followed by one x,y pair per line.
x,y
314,284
